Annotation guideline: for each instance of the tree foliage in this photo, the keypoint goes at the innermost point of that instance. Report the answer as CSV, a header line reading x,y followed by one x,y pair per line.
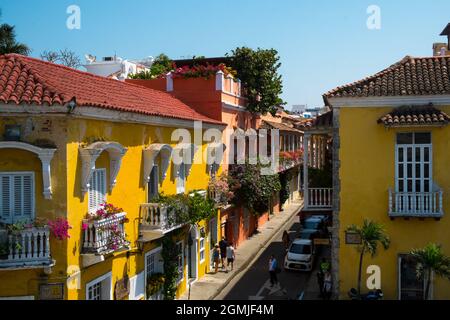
x,y
431,259
258,72
160,66
191,208
8,43
251,188
170,256
372,234
285,179
65,57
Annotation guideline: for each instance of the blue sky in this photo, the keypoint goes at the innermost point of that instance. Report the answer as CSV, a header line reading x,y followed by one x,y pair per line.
x,y
322,43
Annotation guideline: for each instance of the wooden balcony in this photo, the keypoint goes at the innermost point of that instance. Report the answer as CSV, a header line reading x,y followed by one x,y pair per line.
x,y
416,204
26,249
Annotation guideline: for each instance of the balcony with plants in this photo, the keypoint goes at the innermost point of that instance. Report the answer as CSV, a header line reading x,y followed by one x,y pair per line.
x,y
26,243
220,191
290,159
104,231
169,212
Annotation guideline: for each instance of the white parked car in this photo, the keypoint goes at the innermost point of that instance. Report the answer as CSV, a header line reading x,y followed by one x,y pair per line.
x,y
300,255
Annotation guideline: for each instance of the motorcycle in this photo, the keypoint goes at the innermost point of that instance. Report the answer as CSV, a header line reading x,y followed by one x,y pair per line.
x,y
371,295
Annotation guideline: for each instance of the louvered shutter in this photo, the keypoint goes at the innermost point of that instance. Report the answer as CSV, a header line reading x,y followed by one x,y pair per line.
x,y
101,186
17,197
97,189
5,200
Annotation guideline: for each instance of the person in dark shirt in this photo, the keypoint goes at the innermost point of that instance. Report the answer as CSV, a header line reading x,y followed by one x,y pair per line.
x,y
223,244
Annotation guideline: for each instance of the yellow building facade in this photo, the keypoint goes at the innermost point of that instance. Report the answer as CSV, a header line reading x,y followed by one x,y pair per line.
x,y
63,160
391,141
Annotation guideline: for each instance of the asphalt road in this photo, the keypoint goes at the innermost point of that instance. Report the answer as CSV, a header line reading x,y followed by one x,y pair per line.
x,y
254,283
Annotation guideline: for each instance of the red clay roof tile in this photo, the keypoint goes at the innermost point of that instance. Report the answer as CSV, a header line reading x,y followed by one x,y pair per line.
x,y
29,80
414,116
410,76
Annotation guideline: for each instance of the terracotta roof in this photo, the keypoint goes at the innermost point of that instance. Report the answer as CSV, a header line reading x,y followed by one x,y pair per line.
x,y
320,122
276,125
410,76
415,116
33,81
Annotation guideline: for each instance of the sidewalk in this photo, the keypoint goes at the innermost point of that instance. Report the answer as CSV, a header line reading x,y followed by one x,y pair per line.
x,y
211,285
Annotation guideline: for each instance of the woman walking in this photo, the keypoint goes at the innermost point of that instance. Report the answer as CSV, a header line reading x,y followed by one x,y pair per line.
x,y
327,283
216,257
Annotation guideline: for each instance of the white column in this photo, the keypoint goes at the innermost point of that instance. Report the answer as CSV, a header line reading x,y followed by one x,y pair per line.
x,y
219,81
306,139
169,82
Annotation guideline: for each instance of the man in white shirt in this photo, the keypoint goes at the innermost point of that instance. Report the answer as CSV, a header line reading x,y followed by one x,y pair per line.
x,y
230,256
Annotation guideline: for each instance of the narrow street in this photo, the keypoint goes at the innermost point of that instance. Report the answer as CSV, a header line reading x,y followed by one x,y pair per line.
x,y
254,284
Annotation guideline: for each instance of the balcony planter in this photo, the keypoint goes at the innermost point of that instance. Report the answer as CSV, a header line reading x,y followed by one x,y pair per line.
x,y
104,231
105,235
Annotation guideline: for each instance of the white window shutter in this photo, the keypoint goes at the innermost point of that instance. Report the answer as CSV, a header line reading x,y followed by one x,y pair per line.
x,y
91,192
97,189
102,186
28,196
18,196
5,200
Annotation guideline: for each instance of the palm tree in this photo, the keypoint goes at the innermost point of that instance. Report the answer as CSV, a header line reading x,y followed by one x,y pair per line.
x,y
8,42
431,260
371,234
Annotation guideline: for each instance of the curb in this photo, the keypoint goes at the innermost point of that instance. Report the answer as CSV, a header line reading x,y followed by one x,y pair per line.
x,y
258,254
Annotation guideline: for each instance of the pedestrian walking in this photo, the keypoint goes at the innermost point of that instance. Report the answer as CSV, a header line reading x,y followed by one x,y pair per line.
x,y
230,256
327,284
216,257
273,270
223,244
324,265
320,278
286,239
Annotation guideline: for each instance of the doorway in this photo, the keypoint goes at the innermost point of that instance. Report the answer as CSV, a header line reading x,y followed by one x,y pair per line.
x,y
192,255
410,287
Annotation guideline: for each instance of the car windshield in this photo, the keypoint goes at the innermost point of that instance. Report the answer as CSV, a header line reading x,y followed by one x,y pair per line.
x,y
307,234
300,249
312,225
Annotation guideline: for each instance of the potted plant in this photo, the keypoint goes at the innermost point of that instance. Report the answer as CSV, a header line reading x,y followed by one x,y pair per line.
x,y
155,283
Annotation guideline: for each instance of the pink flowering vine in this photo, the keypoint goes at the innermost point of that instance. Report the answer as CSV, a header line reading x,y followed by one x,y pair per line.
x,y
60,228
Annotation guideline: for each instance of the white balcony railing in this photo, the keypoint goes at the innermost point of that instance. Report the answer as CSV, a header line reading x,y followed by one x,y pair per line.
x,y
320,198
157,217
416,204
106,235
30,247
